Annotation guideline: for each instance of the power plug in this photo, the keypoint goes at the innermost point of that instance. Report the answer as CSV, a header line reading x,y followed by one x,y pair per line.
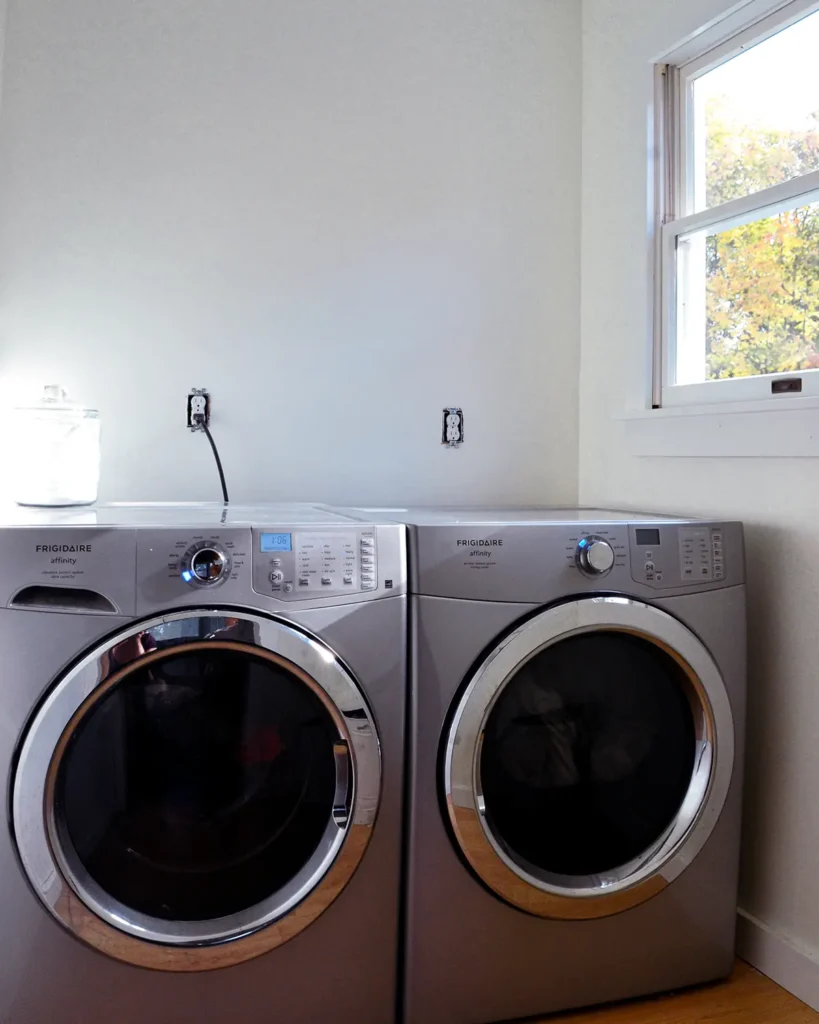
x,y
198,408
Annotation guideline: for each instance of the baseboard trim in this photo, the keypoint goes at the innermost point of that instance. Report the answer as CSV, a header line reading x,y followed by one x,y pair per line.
x,y
794,969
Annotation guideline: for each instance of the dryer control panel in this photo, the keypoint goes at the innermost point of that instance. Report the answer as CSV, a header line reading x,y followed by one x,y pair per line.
x,y
678,556
536,561
315,563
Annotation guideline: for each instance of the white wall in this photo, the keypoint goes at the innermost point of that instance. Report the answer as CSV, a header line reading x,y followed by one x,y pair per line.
x,y
338,216
778,499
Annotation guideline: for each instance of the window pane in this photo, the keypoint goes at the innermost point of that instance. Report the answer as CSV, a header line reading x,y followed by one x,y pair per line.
x,y
756,117
748,298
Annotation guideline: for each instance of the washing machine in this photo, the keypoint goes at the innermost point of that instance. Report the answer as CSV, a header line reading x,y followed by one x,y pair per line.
x,y
577,726
201,738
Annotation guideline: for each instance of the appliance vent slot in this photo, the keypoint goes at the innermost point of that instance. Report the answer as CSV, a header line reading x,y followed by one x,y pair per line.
x,y
62,599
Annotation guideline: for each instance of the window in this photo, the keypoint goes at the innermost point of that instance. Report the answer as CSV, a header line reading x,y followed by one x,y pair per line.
x,y
739,243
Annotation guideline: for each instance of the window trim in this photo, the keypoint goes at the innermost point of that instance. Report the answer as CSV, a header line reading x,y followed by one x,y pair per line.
x,y
673,197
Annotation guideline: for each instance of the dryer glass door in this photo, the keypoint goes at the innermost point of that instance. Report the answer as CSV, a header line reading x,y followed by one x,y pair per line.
x,y
588,753
591,748
204,789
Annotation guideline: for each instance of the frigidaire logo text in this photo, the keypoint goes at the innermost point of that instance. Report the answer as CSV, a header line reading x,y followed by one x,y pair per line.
x,y
480,543
64,547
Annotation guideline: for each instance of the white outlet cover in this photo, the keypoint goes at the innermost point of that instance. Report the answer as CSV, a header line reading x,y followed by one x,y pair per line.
x,y
453,427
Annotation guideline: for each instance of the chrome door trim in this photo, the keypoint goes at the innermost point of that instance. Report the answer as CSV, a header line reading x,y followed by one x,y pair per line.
x,y
73,897
591,896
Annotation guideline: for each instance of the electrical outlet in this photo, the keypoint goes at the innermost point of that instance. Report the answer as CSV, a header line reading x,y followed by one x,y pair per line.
x,y
452,433
198,405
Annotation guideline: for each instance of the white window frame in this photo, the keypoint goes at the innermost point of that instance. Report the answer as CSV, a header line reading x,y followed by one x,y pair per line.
x,y
674,200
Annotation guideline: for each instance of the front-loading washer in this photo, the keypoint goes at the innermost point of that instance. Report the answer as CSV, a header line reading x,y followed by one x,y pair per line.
x,y
577,726
201,737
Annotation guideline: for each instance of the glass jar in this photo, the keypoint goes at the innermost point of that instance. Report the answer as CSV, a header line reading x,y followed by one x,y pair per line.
x,y
57,444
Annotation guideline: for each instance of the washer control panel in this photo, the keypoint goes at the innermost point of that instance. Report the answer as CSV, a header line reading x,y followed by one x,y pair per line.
x,y
283,562
308,564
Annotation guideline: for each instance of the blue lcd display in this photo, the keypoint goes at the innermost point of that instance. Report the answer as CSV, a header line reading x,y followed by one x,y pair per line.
x,y
276,542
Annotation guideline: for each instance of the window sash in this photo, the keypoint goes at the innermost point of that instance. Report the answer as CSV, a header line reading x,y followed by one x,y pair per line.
x,y
768,202
681,86
778,199
738,391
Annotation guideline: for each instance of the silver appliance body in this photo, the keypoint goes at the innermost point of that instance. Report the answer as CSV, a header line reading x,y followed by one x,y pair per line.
x,y
576,749
202,743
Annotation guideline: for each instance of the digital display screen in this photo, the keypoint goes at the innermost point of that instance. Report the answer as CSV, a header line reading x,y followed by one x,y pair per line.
x,y
276,542
648,538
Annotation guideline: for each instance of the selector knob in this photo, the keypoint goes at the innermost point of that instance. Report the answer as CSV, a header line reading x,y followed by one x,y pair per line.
x,y
205,566
594,556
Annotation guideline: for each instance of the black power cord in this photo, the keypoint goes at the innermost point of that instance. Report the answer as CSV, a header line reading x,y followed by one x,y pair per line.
x,y
199,420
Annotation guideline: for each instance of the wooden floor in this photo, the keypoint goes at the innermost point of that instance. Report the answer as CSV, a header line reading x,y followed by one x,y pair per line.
x,y
746,998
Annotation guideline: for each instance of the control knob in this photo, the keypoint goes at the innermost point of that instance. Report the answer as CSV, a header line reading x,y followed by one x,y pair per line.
x,y
205,566
594,556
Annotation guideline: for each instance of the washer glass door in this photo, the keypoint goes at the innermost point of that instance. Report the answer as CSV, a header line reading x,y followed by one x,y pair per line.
x,y
589,748
200,781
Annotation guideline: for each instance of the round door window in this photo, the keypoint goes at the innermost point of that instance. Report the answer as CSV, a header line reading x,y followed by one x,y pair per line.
x,y
190,783
587,754
590,749
197,785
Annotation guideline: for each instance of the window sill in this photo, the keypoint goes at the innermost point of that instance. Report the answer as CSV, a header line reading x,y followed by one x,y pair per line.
x,y
775,428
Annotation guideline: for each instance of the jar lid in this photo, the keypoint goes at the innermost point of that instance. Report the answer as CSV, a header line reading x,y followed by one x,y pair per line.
x,y
55,398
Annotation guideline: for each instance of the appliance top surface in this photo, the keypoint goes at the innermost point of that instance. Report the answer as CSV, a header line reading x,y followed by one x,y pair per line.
x,y
176,514
515,516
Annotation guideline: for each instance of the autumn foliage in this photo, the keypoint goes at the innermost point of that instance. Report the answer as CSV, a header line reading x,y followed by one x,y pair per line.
x,y
762,301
